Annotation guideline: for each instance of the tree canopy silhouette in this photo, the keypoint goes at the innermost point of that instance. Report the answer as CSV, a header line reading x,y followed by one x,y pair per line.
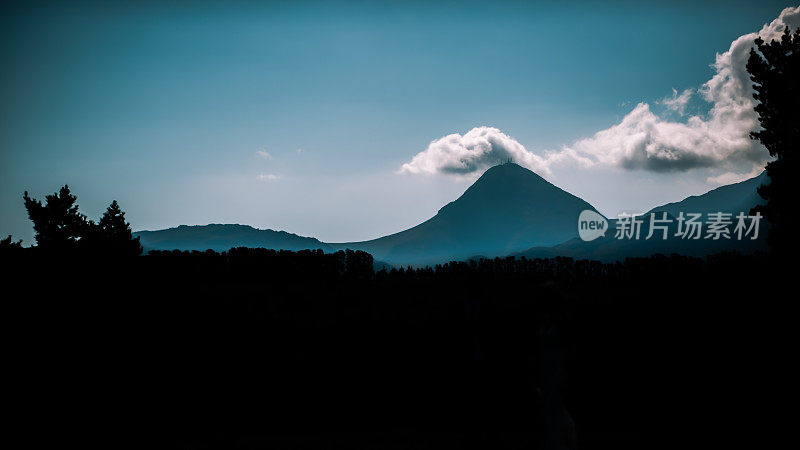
x,y
59,226
774,69
115,233
57,223
7,243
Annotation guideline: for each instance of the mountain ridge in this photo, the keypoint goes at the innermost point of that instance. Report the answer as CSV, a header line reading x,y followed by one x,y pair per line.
x,y
509,210
733,199
222,237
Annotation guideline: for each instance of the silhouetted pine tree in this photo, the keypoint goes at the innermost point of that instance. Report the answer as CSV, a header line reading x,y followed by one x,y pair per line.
x,y
775,71
57,222
115,233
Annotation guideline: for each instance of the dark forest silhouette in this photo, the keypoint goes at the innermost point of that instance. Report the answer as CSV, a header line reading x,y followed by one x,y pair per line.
x,y
278,349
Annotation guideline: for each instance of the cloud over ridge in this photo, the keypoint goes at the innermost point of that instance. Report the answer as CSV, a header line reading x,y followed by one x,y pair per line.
x,y
642,140
479,148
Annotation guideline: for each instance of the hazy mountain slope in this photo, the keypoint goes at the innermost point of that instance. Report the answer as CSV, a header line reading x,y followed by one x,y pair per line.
x,y
734,198
221,237
509,208
611,249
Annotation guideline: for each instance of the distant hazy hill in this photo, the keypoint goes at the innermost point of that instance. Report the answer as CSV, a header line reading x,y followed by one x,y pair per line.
x,y
222,237
509,208
734,198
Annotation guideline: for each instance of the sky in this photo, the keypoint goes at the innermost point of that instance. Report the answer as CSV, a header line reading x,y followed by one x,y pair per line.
x,y
349,121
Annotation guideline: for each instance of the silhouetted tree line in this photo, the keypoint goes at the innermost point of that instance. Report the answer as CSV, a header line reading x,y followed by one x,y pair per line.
x,y
262,349
243,261
7,243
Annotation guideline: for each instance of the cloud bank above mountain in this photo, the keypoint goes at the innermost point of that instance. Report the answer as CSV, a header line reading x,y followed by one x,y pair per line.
x,y
642,140
478,149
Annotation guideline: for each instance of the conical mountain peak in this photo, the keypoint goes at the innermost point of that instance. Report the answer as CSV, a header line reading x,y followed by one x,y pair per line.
x,y
507,208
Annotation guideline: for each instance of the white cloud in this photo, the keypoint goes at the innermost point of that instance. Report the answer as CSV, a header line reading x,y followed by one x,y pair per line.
x,y
677,103
264,154
268,177
476,150
641,140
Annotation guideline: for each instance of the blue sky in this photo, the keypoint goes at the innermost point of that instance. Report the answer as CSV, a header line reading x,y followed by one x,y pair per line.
x,y
299,116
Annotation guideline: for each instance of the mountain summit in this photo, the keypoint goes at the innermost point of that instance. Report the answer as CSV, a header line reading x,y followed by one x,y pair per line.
x,y
509,208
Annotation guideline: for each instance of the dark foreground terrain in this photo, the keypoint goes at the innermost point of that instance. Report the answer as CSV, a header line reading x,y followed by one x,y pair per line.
x,y
265,349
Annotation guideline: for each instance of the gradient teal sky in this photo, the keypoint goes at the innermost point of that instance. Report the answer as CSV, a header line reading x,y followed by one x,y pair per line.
x,y
166,107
